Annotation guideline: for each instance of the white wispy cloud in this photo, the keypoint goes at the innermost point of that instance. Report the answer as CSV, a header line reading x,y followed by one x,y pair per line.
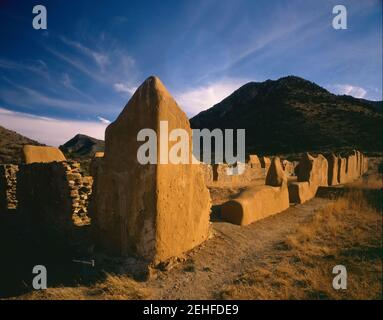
x,y
27,97
288,29
68,83
195,100
77,64
96,63
47,130
348,89
37,67
100,58
124,88
103,120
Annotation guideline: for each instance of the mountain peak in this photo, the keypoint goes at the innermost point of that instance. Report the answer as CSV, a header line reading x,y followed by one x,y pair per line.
x,y
292,114
82,146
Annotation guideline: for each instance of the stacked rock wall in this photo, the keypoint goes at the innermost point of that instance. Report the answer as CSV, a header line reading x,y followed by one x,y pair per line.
x,y
80,191
8,179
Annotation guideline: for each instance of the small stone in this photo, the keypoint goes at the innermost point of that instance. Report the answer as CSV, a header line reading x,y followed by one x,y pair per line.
x,y
74,193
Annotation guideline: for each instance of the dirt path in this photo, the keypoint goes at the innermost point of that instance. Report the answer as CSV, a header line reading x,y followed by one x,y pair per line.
x,y
230,252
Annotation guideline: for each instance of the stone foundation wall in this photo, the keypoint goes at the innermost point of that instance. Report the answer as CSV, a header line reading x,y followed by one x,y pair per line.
x,y
8,200
80,191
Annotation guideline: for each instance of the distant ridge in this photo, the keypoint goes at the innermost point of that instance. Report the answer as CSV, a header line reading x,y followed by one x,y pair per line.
x,y
82,146
292,114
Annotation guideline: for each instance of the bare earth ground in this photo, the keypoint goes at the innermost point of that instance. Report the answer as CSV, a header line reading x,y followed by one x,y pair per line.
x,y
286,256
232,251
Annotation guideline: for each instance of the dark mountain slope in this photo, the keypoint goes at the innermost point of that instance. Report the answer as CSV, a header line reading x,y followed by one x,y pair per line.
x,y
11,145
293,115
82,146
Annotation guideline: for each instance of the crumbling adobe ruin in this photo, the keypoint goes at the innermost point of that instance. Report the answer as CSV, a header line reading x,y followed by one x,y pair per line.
x,y
46,192
40,154
332,170
254,171
258,202
154,211
312,172
333,165
54,194
223,174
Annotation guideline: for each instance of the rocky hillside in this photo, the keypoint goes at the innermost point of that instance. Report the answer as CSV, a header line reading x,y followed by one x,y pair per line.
x,y
82,146
11,144
292,114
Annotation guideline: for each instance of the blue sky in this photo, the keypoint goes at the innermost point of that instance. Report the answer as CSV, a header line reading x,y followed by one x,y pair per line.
x,y
77,75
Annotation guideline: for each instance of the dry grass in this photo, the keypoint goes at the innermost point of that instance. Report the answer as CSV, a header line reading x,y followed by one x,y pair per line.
x,y
348,232
370,182
112,288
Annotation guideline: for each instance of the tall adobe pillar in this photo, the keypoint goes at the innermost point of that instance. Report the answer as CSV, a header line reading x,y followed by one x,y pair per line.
x,y
155,211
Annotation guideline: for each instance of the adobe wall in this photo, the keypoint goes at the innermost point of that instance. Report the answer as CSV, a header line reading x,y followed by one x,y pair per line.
x,y
289,167
258,202
312,172
332,170
332,160
42,154
96,165
222,174
256,169
153,211
351,167
265,163
54,196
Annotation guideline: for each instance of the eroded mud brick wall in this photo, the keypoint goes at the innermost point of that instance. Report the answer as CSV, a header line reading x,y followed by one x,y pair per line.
x,y
8,181
258,202
221,174
154,211
351,166
218,173
54,196
256,169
